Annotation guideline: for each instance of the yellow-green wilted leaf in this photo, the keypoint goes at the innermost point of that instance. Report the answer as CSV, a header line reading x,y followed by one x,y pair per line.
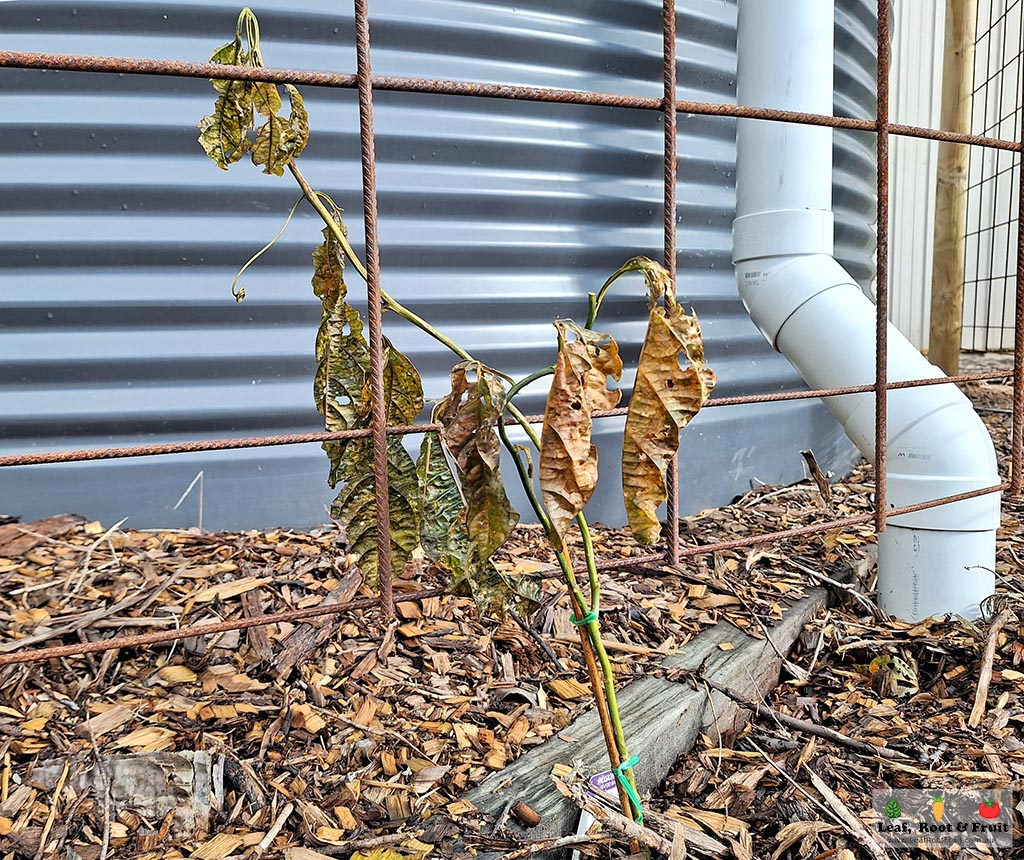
x,y
444,539
266,98
342,354
442,501
266,150
469,415
230,54
298,122
279,140
568,457
355,506
223,134
665,397
403,390
329,268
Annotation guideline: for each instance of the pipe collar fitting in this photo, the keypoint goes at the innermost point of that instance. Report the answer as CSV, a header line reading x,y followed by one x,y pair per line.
x,y
786,232
773,288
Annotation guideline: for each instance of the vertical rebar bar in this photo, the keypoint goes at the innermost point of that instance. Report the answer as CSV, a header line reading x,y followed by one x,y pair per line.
x,y
882,267
669,55
378,403
1017,442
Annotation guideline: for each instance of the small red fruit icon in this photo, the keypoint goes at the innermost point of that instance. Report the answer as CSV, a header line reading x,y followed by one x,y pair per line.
x,y
989,809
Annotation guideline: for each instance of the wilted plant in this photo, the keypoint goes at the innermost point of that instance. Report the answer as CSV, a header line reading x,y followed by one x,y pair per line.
x,y
460,522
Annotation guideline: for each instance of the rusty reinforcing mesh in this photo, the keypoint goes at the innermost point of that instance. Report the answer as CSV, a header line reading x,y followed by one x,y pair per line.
x,y
365,82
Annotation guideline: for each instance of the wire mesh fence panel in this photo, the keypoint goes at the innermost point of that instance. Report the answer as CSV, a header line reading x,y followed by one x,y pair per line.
x,y
993,203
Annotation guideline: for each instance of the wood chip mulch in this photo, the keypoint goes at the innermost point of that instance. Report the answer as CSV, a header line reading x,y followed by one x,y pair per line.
x,y
343,733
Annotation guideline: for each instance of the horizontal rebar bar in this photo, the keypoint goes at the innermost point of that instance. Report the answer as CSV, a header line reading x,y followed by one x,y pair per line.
x,y
397,83
192,447
190,631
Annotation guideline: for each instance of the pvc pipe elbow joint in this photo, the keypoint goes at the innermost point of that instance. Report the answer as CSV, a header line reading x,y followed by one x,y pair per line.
x,y
808,307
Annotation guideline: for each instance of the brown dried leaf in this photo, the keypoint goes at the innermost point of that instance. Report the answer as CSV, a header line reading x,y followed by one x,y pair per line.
x,y
665,397
469,415
568,457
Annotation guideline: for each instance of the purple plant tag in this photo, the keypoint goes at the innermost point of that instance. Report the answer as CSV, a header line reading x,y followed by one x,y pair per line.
x,y
604,781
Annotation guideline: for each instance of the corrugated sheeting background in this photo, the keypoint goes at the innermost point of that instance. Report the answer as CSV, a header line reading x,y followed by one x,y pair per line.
x,y
120,239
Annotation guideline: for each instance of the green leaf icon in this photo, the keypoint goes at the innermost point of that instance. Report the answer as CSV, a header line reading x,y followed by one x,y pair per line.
x,y
893,810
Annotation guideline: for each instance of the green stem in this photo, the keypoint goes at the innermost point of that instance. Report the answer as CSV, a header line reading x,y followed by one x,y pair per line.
x,y
637,264
528,380
389,302
590,556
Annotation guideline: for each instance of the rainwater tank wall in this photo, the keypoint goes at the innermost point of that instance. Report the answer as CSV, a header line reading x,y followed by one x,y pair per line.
x,y
120,239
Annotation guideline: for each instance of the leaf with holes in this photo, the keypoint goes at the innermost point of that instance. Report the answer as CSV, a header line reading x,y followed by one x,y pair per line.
x,y
469,416
666,396
355,507
568,457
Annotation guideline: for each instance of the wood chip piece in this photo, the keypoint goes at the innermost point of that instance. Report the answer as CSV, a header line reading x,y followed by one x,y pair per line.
x,y
219,847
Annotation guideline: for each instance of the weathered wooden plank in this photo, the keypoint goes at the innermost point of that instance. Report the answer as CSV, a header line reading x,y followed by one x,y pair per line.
x,y
188,784
663,718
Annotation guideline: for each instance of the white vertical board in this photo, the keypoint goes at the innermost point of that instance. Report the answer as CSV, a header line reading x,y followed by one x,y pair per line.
x,y
916,98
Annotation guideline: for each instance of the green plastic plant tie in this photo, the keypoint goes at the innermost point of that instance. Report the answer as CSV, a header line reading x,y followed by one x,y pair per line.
x,y
627,786
585,620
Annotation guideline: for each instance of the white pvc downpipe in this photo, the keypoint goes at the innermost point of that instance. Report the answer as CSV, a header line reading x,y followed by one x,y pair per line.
x,y
931,562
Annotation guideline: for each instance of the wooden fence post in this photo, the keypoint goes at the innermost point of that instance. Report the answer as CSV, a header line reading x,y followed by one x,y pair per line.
x,y
949,244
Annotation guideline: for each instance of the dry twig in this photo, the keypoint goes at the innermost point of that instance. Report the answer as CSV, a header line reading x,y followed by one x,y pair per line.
x,y
985,675
805,726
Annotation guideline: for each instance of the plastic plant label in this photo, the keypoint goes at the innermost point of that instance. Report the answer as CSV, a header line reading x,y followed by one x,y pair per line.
x,y
604,781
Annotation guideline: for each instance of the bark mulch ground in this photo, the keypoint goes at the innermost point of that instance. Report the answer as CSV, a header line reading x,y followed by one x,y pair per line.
x,y
343,733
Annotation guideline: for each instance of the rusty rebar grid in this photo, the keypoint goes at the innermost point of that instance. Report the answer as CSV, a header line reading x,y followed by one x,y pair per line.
x,y
137,640
378,398
671,117
364,81
882,268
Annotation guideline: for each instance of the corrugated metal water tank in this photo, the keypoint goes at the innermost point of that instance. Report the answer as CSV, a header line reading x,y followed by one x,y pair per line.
x,y
120,238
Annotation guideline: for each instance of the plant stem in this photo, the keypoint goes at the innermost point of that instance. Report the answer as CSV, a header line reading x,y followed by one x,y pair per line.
x,y
612,743
651,273
389,302
590,633
604,692
588,554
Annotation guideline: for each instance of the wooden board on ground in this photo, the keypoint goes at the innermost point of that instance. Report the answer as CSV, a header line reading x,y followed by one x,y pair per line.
x,y
663,719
